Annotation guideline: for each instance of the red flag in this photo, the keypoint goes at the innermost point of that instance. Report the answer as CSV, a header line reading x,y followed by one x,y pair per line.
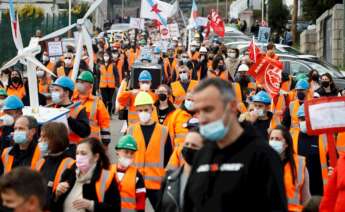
x,y
254,51
267,72
216,23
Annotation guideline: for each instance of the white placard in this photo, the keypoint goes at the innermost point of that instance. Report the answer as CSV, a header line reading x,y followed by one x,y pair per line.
x,y
55,49
173,30
137,23
327,115
47,114
264,34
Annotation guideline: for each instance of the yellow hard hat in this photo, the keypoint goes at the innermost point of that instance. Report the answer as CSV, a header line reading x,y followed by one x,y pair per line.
x,y
143,98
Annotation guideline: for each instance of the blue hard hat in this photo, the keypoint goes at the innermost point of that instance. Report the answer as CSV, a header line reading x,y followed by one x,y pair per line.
x,y
262,97
145,76
157,50
146,57
64,82
215,40
302,85
300,112
12,103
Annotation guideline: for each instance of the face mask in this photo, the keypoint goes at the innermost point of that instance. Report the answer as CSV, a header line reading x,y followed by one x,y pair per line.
x,y
184,60
162,97
221,67
125,162
188,105
300,95
260,112
56,97
277,146
7,120
40,74
214,131
144,117
16,79
232,55
303,126
45,58
315,77
189,154
80,87
83,163
192,49
106,59
52,59
43,146
144,86
325,84
115,56
19,137
184,77
68,62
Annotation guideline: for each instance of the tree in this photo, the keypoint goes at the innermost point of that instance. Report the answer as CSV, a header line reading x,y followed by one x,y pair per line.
x,y
278,15
294,21
312,9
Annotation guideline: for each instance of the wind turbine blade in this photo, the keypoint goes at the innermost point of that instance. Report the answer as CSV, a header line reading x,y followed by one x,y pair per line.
x,y
88,42
77,57
40,65
11,63
92,8
58,32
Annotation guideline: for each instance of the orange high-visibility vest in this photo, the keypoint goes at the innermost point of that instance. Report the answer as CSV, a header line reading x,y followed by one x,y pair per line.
x,y
119,67
195,56
127,187
74,111
7,159
60,72
286,86
177,131
209,64
278,111
103,183
66,163
167,69
176,159
179,93
341,143
293,107
50,66
107,77
224,75
238,94
19,92
150,160
322,152
294,191
131,57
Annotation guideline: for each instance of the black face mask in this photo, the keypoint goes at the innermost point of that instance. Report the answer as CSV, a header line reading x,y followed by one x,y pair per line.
x,y
300,95
243,80
189,154
315,77
325,84
221,67
162,97
16,79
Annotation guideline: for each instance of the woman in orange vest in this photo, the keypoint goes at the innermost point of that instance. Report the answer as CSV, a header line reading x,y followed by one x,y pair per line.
x,y
109,78
53,144
15,84
218,69
131,182
90,184
296,177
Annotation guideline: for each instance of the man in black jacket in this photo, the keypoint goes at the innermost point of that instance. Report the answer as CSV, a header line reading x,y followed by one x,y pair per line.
x,y
236,170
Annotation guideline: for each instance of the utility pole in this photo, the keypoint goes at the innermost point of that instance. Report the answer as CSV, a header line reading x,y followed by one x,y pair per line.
x,y
294,21
123,8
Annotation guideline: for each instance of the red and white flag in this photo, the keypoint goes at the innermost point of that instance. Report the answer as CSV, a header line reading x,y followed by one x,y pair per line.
x,y
254,51
216,22
268,73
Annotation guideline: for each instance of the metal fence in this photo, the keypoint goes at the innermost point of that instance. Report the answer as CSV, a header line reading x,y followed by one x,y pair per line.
x,y
28,27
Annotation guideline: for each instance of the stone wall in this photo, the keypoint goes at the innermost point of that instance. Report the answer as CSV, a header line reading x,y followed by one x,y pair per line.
x,y
308,42
337,38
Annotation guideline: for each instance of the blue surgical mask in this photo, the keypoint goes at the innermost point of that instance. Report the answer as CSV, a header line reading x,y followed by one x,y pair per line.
x,y
214,131
278,146
20,137
188,105
56,97
43,146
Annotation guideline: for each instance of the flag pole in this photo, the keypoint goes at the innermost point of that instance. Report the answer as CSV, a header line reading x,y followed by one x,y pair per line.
x,y
184,21
254,49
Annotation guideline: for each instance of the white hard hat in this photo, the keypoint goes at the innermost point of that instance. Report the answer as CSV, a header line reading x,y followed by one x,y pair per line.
x,y
203,49
243,67
194,43
175,39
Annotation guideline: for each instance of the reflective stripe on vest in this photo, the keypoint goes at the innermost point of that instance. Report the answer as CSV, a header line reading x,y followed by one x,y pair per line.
x,y
107,79
152,171
65,164
103,183
95,129
293,107
7,159
179,93
294,202
128,189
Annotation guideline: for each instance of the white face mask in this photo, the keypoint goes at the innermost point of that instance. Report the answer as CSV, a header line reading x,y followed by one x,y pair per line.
x,y
260,112
40,74
184,77
52,59
7,120
278,146
45,58
144,117
232,55
106,58
125,162
68,62
189,105
80,87
303,126
144,86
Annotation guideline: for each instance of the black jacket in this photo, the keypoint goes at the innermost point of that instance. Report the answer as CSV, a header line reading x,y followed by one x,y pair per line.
x,y
112,199
322,92
170,192
244,176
